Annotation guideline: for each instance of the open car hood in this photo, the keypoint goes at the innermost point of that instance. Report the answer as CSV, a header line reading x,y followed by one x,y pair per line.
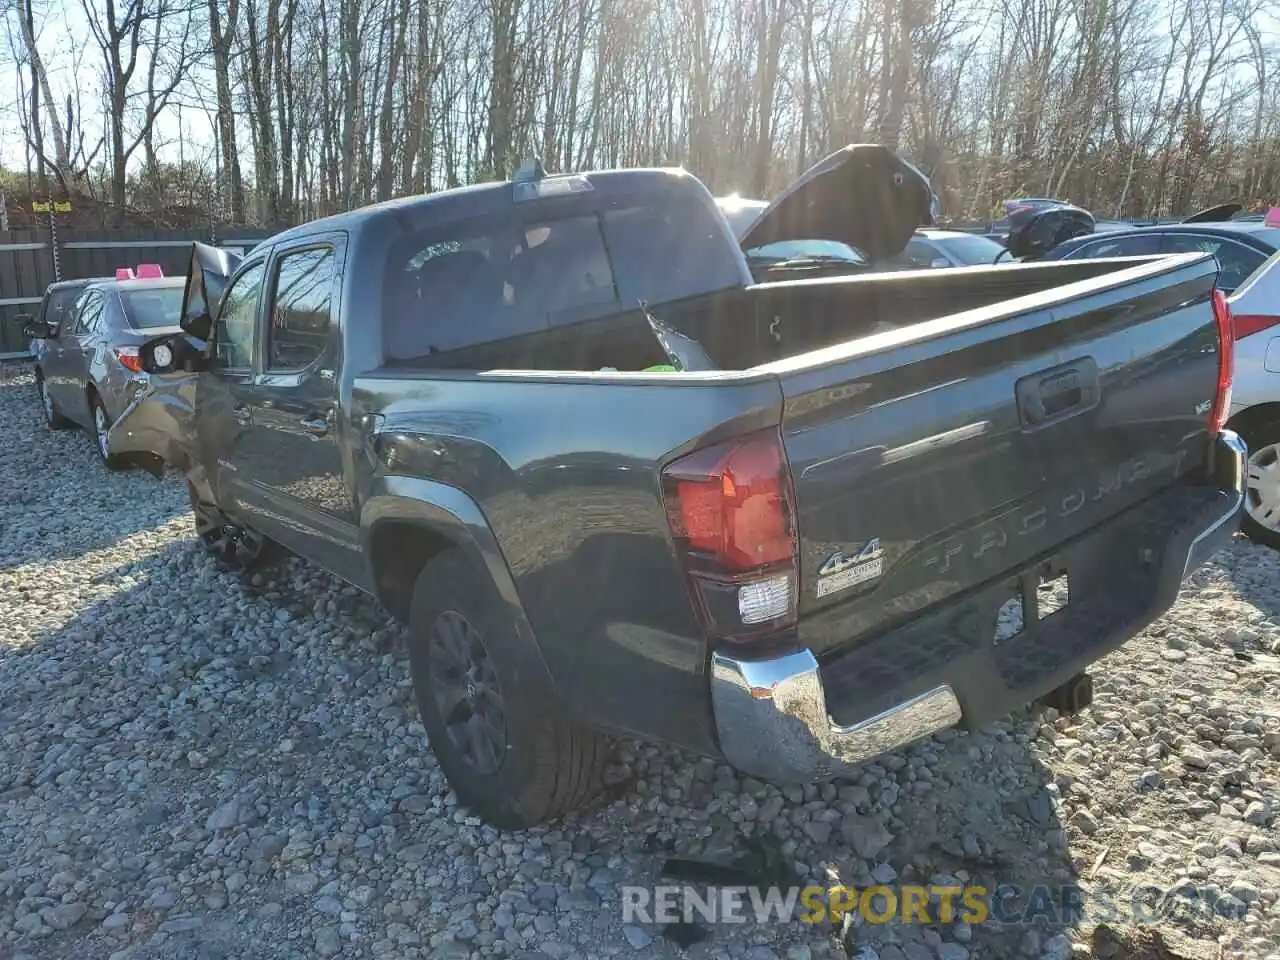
x,y
1034,231
864,195
207,275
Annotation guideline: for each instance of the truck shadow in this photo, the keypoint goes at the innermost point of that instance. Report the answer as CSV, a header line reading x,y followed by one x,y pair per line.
x,y
49,520
286,698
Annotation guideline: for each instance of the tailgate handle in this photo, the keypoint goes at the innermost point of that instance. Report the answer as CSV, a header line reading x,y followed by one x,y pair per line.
x,y
1058,393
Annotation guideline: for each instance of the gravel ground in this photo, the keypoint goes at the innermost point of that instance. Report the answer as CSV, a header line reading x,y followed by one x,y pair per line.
x,y
196,766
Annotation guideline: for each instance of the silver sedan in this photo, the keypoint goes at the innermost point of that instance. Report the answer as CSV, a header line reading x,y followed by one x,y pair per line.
x,y
87,367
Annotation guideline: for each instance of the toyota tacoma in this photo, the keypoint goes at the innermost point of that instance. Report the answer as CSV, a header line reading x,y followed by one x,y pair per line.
x,y
616,488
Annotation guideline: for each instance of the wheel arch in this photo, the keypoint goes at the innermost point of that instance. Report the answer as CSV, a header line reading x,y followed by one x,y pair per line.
x,y
1251,418
409,520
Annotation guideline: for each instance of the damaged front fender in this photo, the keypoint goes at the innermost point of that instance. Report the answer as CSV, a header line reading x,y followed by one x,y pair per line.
x,y
160,421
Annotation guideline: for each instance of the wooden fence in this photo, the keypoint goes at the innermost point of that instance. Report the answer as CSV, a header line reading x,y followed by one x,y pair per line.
x,y
30,260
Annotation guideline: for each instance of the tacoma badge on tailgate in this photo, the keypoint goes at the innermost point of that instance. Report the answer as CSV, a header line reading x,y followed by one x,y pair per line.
x,y
843,570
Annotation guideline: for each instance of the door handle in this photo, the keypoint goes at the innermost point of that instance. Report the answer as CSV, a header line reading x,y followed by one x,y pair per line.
x,y
316,426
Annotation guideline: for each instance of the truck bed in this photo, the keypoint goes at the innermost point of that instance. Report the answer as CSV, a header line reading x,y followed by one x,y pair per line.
x,y
745,327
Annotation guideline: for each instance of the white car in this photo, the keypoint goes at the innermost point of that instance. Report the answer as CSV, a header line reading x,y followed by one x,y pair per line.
x,y
1255,396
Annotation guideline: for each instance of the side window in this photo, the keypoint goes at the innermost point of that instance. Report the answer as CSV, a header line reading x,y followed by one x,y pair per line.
x,y
89,312
1132,245
1235,261
60,309
300,312
236,320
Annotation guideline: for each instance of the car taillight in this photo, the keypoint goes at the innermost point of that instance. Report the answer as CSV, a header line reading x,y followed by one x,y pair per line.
x,y
1247,324
129,359
1221,409
731,509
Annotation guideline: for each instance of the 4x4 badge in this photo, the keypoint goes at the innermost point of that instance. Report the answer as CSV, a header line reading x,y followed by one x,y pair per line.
x,y
841,570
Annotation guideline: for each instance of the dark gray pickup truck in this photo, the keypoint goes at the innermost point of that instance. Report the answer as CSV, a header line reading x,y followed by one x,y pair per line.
x,y
824,534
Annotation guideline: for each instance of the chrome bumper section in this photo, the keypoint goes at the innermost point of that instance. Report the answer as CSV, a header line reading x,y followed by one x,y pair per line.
x,y
773,720
772,717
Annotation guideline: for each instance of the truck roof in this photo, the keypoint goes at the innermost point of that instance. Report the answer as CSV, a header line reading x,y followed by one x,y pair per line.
x,y
479,200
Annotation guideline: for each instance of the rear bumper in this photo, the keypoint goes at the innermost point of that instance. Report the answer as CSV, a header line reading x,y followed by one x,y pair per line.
x,y
790,719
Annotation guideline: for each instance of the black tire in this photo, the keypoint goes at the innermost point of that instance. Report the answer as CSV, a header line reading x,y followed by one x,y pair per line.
x,y
547,764
101,421
234,546
52,418
1263,440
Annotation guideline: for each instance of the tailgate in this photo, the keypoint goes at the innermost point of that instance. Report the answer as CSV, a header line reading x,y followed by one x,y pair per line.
x,y
951,454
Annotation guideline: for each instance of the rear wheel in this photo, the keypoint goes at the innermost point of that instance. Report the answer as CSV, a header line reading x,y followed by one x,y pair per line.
x,y
1261,522
101,429
507,748
233,545
52,418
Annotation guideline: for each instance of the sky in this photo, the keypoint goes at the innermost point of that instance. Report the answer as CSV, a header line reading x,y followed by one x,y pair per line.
x,y
74,62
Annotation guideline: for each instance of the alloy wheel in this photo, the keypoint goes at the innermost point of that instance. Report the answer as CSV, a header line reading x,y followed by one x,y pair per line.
x,y
466,692
101,427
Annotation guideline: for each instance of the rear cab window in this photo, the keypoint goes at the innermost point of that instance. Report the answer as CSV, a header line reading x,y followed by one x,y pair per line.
x,y
532,271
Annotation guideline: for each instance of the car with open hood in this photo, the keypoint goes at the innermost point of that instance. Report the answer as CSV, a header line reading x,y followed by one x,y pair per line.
x,y
817,531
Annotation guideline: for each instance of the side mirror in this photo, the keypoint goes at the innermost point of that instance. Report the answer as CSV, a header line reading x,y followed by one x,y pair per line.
x,y
173,353
34,329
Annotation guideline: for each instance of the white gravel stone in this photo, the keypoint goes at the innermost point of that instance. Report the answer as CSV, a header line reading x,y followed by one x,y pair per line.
x,y
196,764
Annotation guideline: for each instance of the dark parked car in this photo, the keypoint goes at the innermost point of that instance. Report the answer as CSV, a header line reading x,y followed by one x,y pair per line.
x,y
794,561
86,356
1241,247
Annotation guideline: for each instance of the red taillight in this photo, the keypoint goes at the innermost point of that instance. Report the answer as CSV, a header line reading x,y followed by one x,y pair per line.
x,y
1247,324
731,509
1221,409
129,359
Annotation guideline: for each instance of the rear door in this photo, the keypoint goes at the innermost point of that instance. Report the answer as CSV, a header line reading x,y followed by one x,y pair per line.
x,y
76,349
